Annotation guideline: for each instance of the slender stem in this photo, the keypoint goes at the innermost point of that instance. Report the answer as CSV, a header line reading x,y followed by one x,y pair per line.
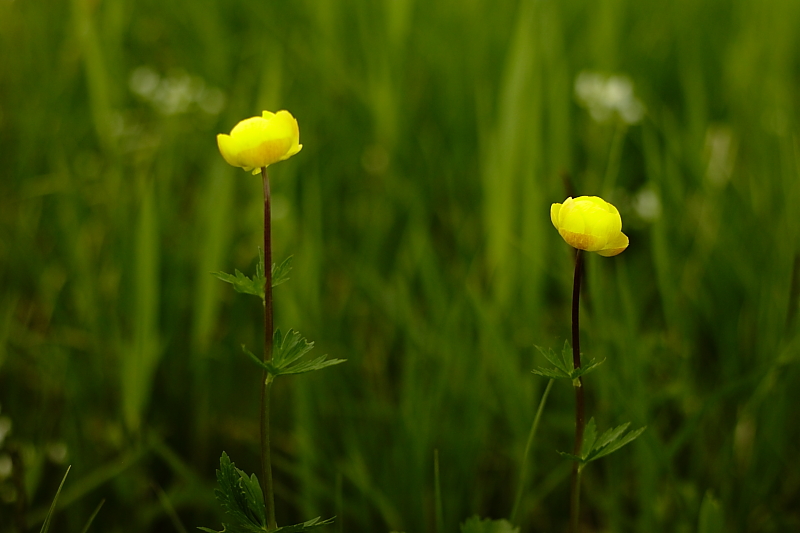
x,y
266,379
267,268
580,420
575,499
523,477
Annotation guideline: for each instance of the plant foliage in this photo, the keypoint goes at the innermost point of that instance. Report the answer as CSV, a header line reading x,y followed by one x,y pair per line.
x,y
242,500
286,351
594,447
564,368
255,285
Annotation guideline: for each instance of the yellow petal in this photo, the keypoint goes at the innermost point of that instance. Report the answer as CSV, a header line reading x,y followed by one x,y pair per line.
x,y
589,223
615,246
258,142
582,241
227,149
554,210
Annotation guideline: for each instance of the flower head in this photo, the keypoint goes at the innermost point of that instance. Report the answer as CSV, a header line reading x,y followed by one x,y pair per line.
x,y
260,141
590,223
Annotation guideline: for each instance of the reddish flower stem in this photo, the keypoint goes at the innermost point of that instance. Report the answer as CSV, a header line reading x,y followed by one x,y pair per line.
x,y
266,379
580,420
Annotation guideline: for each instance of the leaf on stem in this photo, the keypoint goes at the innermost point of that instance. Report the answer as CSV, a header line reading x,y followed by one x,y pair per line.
x,y
280,273
241,498
564,368
594,447
305,526
286,350
255,285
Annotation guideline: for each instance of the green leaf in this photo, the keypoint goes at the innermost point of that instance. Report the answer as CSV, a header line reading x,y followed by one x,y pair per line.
x,y
477,525
589,436
614,446
242,283
571,457
556,361
586,368
255,285
287,349
46,524
93,516
610,436
305,526
594,447
280,273
309,366
552,374
566,357
563,364
241,498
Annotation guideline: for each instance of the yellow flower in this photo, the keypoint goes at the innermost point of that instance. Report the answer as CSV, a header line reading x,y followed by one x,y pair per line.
x,y
590,223
260,141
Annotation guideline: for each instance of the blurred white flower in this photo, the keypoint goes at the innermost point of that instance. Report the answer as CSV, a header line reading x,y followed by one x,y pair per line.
x,y
647,205
175,93
604,96
57,452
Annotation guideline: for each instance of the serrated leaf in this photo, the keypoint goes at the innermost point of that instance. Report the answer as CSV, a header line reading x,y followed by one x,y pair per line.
x,y
254,497
305,526
564,366
554,360
243,284
607,443
280,273
286,349
610,436
255,285
260,264
586,368
566,358
477,525
554,373
309,366
240,497
614,446
589,436
571,457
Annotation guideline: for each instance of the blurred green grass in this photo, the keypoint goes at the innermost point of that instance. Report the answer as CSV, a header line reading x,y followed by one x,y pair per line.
x,y
435,138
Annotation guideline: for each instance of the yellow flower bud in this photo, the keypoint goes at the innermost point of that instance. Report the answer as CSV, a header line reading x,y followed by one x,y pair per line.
x,y
590,223
260,141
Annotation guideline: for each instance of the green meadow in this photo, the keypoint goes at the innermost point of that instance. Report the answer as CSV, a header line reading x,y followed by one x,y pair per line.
x,y
435,135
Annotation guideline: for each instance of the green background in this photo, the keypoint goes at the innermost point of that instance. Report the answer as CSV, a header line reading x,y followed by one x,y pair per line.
x,y
436,135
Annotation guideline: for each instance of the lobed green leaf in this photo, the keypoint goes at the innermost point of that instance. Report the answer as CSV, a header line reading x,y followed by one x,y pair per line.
x,y
614,446
280,273
305,526
241,498
255,285
589,437
286,350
